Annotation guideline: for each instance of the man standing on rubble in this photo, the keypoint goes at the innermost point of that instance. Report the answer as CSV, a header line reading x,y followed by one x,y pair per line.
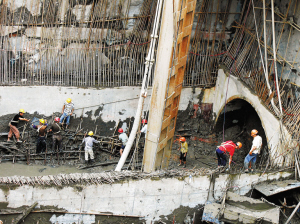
x,y
13,124
56,138
124,138
88,149
67,111
230,147
255,150
41,142
183,151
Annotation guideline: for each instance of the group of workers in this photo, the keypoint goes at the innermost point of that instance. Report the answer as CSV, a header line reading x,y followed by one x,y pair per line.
x,y
67,111
56,127
227,147
230,147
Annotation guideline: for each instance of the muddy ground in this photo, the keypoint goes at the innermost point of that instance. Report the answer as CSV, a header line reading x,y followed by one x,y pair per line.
x,y
199,127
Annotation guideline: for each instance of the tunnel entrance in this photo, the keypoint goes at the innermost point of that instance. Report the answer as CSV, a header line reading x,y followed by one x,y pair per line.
x,y
240,118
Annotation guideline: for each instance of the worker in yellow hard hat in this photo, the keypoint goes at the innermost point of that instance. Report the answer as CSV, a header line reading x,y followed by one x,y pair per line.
x,y
67,111
41,142
88,149
14,123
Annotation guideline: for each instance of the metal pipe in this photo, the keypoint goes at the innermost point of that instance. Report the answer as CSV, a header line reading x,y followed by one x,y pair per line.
x,y
148,68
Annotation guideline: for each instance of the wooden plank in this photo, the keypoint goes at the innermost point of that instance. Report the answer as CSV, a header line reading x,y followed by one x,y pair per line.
x,y
21,217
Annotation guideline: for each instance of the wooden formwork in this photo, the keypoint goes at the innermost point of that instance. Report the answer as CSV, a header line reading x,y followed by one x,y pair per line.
x,y
158,144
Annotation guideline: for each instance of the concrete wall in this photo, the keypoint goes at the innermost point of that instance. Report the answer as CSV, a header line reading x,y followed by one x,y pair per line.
x,y
237,90
117,103
149,198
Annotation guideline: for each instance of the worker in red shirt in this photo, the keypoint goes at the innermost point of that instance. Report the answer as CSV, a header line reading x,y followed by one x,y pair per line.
x,y
228,146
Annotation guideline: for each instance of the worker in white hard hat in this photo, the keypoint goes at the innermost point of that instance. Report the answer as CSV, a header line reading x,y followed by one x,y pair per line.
x,y
13,124
67,111
56,137
254,152
41,145
89,147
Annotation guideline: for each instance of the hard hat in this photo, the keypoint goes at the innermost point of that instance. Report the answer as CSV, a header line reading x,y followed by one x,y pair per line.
x,y
22,111
239,145
120,130
91,133
57,119
69,100
144,121
42,121
254,132
182,139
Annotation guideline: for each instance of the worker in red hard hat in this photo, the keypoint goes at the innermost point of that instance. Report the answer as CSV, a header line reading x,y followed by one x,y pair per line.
x,y
57,137
230,147
253,153
124,138
144,128
183,151
13,124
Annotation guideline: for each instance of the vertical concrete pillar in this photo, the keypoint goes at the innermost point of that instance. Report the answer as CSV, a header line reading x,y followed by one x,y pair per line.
x,y
168,79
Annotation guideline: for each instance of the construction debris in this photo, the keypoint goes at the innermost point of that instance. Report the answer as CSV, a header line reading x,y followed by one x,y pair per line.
x,y
241,209
276,187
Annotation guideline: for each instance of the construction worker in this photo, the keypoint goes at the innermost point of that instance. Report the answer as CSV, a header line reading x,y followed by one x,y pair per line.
x,y
124,138
13,124
183,151
144,128
41,142
88,149
253,153
230,147
56,138
67,111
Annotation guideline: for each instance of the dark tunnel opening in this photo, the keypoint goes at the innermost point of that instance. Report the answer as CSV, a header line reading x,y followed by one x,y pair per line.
x,y
240,119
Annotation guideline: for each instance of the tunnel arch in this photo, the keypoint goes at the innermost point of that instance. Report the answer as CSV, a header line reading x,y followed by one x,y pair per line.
x,y
240,118
231,88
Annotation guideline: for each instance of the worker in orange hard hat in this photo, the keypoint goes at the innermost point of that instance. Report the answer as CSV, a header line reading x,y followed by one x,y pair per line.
x,y
230,147
14,123
254,151
67,111
124,138
183,151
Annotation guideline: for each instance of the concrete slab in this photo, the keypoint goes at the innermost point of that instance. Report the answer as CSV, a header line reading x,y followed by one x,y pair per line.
x,y
276,187
240,209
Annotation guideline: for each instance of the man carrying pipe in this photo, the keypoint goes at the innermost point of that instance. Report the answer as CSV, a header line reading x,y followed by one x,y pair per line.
x,y
14,123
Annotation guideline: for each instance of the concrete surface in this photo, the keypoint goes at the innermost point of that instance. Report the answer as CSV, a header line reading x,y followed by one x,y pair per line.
x,y
149,198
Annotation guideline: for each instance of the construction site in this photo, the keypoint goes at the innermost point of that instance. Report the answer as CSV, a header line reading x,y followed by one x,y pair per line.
x,y
194,72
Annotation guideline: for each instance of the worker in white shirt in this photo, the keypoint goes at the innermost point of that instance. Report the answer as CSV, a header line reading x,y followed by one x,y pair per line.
x,y
254,152
89,147
144,128
124,138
